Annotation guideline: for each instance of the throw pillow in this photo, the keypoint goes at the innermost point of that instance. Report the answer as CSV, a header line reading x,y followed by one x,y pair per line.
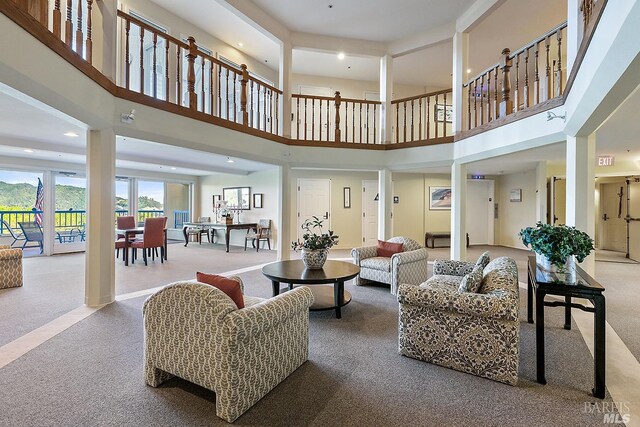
x,y
228,286
472,281
386,249
484,259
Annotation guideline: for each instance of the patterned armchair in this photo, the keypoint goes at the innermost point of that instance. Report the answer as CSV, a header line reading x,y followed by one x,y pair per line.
x,y
409,266
10,267
477,333
195,331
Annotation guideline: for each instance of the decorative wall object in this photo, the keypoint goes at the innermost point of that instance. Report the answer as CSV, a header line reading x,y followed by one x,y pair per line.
x,y
257,200
237,198
443,113
515,195
396,199
347,197
439,198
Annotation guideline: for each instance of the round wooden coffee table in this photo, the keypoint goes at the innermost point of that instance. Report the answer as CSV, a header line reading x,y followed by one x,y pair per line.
x,y
325,298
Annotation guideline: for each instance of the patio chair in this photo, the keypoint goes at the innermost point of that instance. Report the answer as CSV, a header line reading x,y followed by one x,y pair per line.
x,y
32,233
15,236
263,233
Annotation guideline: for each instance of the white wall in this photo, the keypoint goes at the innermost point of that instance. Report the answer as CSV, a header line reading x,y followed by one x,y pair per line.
x,y
514,216
265,182
351,88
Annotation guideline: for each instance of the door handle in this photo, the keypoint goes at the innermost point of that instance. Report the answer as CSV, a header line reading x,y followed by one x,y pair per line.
x,y
326,215
604,217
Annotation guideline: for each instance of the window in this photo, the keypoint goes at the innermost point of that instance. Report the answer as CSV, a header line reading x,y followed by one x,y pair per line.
x,y
150,74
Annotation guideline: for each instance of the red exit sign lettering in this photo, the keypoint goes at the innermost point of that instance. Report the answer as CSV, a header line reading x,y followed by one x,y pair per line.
x,y
605,160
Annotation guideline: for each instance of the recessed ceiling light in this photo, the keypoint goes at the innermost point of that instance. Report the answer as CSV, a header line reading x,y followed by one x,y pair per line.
x,y
71,134
28,150
172,168
341,56
240,44
230,160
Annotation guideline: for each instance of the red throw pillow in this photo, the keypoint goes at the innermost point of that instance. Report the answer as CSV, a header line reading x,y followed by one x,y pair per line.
x,y
226,285
386,249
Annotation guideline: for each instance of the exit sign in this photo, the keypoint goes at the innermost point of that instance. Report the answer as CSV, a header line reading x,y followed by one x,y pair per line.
x,y
605,160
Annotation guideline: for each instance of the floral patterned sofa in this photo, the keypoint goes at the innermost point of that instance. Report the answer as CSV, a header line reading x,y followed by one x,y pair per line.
x,y
477,333
409,266
195,331
10,267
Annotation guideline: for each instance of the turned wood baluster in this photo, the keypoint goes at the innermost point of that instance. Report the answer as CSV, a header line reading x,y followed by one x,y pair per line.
x,y
202,86
360,109
468,110
264,109
277,112
219,94
489,106
166,70
235,98
506,105
250,106
419,119
397,123
271,109
516,92
57,20
481,100
178,74
475,105
305,119
328,115
428,119
412,119
313,119
353,121
367,125
547,83
435,124
298,118
526,79
258,109
375,106
320,119
141,60
68,25
444,122
558,87
337,103
536,76
154,91
89,41
404,121
127,55
79,35
496,112
191,74
226,93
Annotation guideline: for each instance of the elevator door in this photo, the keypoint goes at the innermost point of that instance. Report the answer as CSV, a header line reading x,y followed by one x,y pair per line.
x,y
613,198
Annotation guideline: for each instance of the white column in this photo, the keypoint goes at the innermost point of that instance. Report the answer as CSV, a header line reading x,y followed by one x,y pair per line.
x,y
105,37
133,197
385,199
100,285
386,93
284,83
574,31
541,192
284,213
581,208
460,65
458,211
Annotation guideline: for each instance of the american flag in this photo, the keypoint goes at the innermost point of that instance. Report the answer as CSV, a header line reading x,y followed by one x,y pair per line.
x,y
39,202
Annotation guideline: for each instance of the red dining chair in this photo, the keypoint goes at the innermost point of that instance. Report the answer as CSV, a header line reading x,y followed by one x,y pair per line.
x,y
153,237
124,222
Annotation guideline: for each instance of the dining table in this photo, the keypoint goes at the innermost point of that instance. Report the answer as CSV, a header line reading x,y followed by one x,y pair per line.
x,y
218,226
129,234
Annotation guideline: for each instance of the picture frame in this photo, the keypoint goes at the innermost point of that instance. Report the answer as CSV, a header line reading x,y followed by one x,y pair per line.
x,y
346,193
257,200
439,198
443,113
216,199
515,195
237,197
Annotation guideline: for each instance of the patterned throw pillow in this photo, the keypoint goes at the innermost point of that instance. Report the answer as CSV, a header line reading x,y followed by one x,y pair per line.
x,y
484,259
386,249
472,281
228,286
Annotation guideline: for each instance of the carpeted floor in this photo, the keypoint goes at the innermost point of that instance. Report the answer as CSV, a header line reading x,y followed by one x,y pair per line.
x,y
91,374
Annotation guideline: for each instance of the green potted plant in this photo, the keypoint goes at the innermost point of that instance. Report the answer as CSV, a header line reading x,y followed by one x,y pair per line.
x,y
557,247
314,246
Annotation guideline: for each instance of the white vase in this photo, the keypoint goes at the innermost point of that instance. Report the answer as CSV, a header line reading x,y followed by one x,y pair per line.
x,y
314,259
565,273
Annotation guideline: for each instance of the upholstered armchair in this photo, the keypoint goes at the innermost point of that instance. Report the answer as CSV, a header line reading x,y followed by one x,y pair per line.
x,y
195,331
408,266
10,267
473,332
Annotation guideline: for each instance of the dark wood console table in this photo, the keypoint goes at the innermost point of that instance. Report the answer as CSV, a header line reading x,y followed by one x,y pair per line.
x,y
218,226
541,284
433,235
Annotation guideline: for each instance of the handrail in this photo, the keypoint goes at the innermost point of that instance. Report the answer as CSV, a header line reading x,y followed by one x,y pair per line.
x,y
267,85
147,27
410,98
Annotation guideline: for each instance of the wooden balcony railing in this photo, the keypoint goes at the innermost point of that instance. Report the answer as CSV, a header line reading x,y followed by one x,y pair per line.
x,y
335,119
525,78
180,72
423,117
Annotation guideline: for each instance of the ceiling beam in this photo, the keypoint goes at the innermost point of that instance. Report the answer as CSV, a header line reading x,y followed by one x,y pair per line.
x,y
257,18
476,13
145,159
353,47
421,41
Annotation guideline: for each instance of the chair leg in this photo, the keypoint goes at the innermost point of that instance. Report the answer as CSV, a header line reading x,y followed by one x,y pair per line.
x,y
134,252
269,243
161,254
144,256
245,245
257,245
117,253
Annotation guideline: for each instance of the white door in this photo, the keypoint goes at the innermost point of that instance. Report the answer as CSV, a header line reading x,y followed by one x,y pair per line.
x,y
369,213
314,199
613,199
480,222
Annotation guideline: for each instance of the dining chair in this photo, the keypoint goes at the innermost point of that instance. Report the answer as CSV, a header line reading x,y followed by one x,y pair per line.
x,y
152,237
262,233
198,231
124,222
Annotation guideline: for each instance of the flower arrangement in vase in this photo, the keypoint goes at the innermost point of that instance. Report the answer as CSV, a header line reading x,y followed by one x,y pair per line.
x,y
315,247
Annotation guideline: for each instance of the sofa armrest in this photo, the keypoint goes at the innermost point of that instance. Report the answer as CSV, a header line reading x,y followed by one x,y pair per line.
x,y
410,256
493,306
263,316
6,253
358,254
452,267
